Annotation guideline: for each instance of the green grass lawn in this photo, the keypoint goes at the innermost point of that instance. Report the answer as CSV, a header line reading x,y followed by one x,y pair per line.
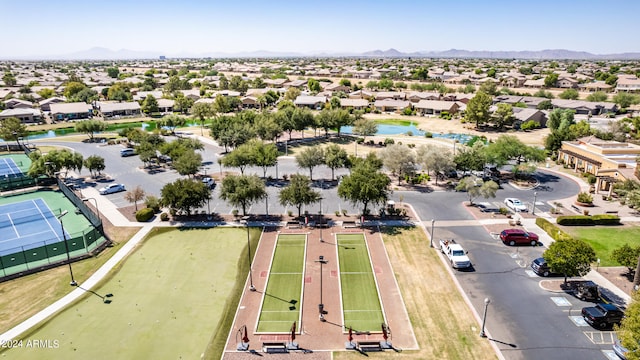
x,y
360,300
604,239
170,297
281,300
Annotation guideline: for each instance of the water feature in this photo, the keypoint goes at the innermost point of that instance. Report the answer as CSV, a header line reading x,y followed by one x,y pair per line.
x,y
387,129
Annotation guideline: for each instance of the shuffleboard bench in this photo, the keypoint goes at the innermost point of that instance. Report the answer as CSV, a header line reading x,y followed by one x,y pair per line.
x,y
275,347
365,346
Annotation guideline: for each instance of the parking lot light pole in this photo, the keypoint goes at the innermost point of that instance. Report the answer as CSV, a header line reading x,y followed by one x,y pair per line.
x,y
535,198
320,220
484,317
66,247
433,221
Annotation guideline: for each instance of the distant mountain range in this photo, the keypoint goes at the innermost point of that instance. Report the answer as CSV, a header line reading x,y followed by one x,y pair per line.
x,y
99,53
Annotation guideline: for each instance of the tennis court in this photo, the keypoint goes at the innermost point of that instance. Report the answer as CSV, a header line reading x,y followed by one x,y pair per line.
x,y
9,168
361,309
281,299
27,224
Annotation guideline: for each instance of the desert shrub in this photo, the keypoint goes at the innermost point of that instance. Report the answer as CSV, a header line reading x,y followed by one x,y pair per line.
x,y
360,140
585,198
153,203
503,210
389,141
428,135
144,214
164,216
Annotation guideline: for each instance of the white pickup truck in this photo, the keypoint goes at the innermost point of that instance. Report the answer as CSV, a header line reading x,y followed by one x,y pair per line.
x,y
455,253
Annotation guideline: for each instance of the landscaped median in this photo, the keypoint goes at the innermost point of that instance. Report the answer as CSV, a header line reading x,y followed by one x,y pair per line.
x,y
281,299
360,300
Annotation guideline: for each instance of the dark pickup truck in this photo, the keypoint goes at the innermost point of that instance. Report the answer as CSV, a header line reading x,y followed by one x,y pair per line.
x,y
602,315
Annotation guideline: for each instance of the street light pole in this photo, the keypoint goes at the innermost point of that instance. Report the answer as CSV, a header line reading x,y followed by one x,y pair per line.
x,y
66,247
484,317
252,288
322,261
433,221
533,208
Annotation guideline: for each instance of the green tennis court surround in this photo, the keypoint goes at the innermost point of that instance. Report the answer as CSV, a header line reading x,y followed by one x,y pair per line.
x,y
281,299
360,299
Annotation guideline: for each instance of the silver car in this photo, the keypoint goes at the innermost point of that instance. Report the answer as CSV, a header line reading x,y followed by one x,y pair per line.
x,y
111,188
515,204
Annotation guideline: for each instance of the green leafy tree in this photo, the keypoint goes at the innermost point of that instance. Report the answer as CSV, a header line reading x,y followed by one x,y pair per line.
x,y
626,256
182,103
624,100
113,72
399,159
551,80
239,158
298,193
72,88
149,105
118,92
146,151
301,118
335,157
475,187
569,256
365,127
95,164
365,185
629,330
202,111
291,94
313,85
310,158
266,127
46,93
545,105
188,163
9,79
509,147
598,96
185,195
478,108
569,94
434,158
85,95
90,127
242,191
503,115
263,155
11,129
472,157
172,122
489,87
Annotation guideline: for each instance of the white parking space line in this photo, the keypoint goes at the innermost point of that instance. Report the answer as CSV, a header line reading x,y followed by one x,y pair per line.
x,y
601,337
561,301
530,273
578,320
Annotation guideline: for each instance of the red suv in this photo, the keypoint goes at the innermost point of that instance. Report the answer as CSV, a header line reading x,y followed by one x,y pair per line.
x,y
518,237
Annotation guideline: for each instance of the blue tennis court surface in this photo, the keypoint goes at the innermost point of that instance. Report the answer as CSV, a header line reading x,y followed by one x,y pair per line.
x,y
28,224
9,168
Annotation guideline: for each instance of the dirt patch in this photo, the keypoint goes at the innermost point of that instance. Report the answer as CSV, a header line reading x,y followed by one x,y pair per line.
x,y
618,276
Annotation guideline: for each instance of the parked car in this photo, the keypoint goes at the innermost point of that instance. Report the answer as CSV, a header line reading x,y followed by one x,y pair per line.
x,y
111,188
540,267
209,182
127,152
518,237
602,315
515,204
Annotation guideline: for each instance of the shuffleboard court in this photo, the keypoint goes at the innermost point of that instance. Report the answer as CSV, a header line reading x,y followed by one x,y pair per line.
x,y
361,307
28,224
281,299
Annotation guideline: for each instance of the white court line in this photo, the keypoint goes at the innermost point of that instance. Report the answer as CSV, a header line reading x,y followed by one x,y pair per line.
x,y
19,237
13,225
47,220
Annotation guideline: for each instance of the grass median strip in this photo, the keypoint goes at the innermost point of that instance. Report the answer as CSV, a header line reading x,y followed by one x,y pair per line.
x,y
360,299
281,299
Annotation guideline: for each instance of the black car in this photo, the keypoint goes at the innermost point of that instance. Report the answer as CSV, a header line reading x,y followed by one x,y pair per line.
x,y
541,268
602,315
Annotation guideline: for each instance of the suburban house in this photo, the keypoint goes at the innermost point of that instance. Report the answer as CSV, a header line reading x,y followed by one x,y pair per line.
x,y
609,161
110,109
249,102
395,95
71,111
45,105
165,105
141,95
628,83
360,94
193,94
390,105
25,115
18,104
312,102
567,83
523,115
539,83
6,93
595,86
300,83
435,107
416,96
336,88
357,104
585,107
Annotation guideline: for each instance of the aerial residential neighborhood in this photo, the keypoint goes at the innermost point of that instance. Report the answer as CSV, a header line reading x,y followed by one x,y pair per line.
x,y
319,181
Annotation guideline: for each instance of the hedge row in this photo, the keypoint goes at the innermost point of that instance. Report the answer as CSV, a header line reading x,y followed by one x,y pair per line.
x,y
551,229
582,220
144,214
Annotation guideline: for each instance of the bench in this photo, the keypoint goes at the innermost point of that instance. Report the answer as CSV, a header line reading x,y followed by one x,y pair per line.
x,y
365,346
575,208
349,224
612,212
293,225
274,347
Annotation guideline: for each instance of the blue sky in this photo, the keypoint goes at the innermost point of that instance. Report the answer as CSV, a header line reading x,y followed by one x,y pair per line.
x,y
189,26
